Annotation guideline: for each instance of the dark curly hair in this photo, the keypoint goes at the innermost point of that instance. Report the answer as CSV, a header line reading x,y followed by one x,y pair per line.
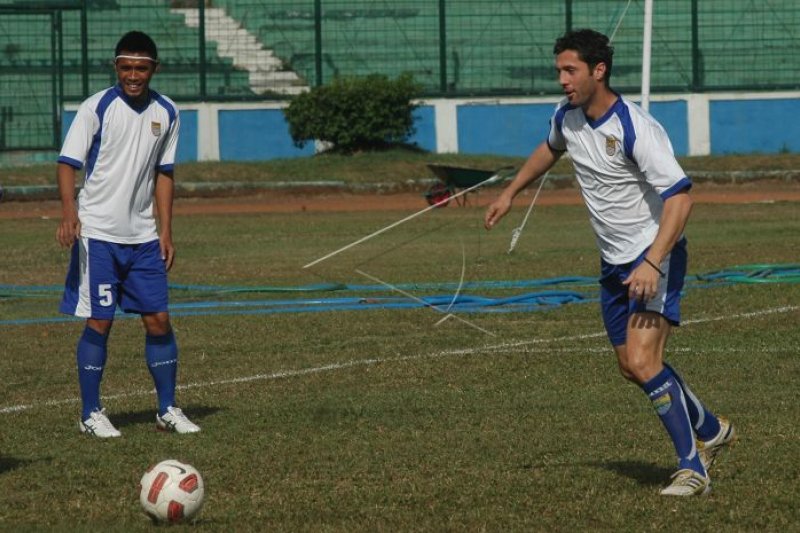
x,y
592,47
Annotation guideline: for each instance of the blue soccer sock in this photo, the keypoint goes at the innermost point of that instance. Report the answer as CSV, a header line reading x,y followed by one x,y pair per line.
x,y
705,424
667,397
91,356
161,353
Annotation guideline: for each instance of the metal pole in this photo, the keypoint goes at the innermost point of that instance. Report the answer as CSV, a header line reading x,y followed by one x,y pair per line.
x,y
442,46
647,53
61,57
85,49
696,58
318,41
201,13
54,17
568,14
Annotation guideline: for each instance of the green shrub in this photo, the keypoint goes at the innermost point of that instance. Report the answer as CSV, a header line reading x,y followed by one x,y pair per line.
x,y
355,113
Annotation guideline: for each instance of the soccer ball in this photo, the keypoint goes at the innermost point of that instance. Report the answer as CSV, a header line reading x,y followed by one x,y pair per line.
x,y
171,492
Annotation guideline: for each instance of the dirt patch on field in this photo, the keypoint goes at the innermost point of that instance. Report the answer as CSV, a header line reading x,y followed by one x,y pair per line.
x,y
289,202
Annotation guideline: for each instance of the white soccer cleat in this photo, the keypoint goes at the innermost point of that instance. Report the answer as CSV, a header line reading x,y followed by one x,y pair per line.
x,y
175,420
709,449
98,425
687,482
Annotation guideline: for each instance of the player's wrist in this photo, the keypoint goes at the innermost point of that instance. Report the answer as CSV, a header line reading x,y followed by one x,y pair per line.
x,y
655,267
512,191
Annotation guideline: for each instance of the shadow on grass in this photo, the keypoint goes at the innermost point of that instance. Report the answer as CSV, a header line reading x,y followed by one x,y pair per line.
x,y
7,464
196,413
643,473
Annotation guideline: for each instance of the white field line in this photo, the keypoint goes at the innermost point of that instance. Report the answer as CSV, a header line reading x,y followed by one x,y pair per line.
x,y
608,351
506,347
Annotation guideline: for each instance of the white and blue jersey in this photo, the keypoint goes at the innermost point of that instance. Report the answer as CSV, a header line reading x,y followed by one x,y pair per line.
x,y
116,261
625,167
121,147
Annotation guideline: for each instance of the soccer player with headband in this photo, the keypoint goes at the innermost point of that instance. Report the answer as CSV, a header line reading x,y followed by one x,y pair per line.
x,y
638,201
124,138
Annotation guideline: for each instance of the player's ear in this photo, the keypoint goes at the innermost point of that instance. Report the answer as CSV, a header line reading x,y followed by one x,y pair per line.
x,y
599,71
157,67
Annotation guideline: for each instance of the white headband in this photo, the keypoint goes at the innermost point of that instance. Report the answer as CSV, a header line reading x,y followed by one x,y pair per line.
x,y
122,56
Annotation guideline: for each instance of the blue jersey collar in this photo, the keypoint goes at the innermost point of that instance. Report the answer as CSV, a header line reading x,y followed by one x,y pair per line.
x,y
594,124
139,108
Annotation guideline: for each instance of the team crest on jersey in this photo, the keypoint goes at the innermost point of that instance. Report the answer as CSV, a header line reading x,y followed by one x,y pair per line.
x,y
155,127
611,145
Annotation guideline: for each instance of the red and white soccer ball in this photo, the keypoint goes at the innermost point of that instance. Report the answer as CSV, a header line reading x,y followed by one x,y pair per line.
x,y
171,492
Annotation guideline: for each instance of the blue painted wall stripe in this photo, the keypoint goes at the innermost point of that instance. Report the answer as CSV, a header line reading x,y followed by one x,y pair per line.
x,y
750,126
257,135
504,129
425,125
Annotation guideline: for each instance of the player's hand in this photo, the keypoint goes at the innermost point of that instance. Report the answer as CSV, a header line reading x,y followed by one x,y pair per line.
x,y
642,283
167,251
68,230
496,211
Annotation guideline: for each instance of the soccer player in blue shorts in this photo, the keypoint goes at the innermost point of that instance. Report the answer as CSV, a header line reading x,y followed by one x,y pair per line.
x,y
125,139
638,202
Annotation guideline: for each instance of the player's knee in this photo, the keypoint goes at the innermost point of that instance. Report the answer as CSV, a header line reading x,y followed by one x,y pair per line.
x,y
638,367
103,327
157,324
623,370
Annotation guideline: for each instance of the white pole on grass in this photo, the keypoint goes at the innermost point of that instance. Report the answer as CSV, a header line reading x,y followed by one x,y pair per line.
x,y
440,203
516,232
647,39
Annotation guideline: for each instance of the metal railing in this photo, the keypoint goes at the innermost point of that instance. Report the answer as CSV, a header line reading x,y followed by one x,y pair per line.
x,y
229,50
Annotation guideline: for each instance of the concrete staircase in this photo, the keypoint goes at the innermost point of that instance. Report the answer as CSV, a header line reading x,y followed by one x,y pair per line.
x,y
235,42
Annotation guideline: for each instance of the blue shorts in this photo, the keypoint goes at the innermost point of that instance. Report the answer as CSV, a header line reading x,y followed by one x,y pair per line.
x,y
103,275
617,307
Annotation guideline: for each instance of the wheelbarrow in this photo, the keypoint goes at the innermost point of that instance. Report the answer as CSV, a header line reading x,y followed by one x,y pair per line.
x,y
453,178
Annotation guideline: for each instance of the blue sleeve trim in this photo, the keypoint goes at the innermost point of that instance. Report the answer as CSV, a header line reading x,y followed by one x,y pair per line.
x,y
74,163
171,111
629,132
104,103
111,95
166,169
683,185
559,117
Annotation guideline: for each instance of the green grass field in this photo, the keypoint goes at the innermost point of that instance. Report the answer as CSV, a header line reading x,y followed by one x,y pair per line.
x,y
381,420
398,166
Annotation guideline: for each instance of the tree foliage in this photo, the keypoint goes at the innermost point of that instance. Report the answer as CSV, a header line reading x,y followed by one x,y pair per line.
x,y
355,114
